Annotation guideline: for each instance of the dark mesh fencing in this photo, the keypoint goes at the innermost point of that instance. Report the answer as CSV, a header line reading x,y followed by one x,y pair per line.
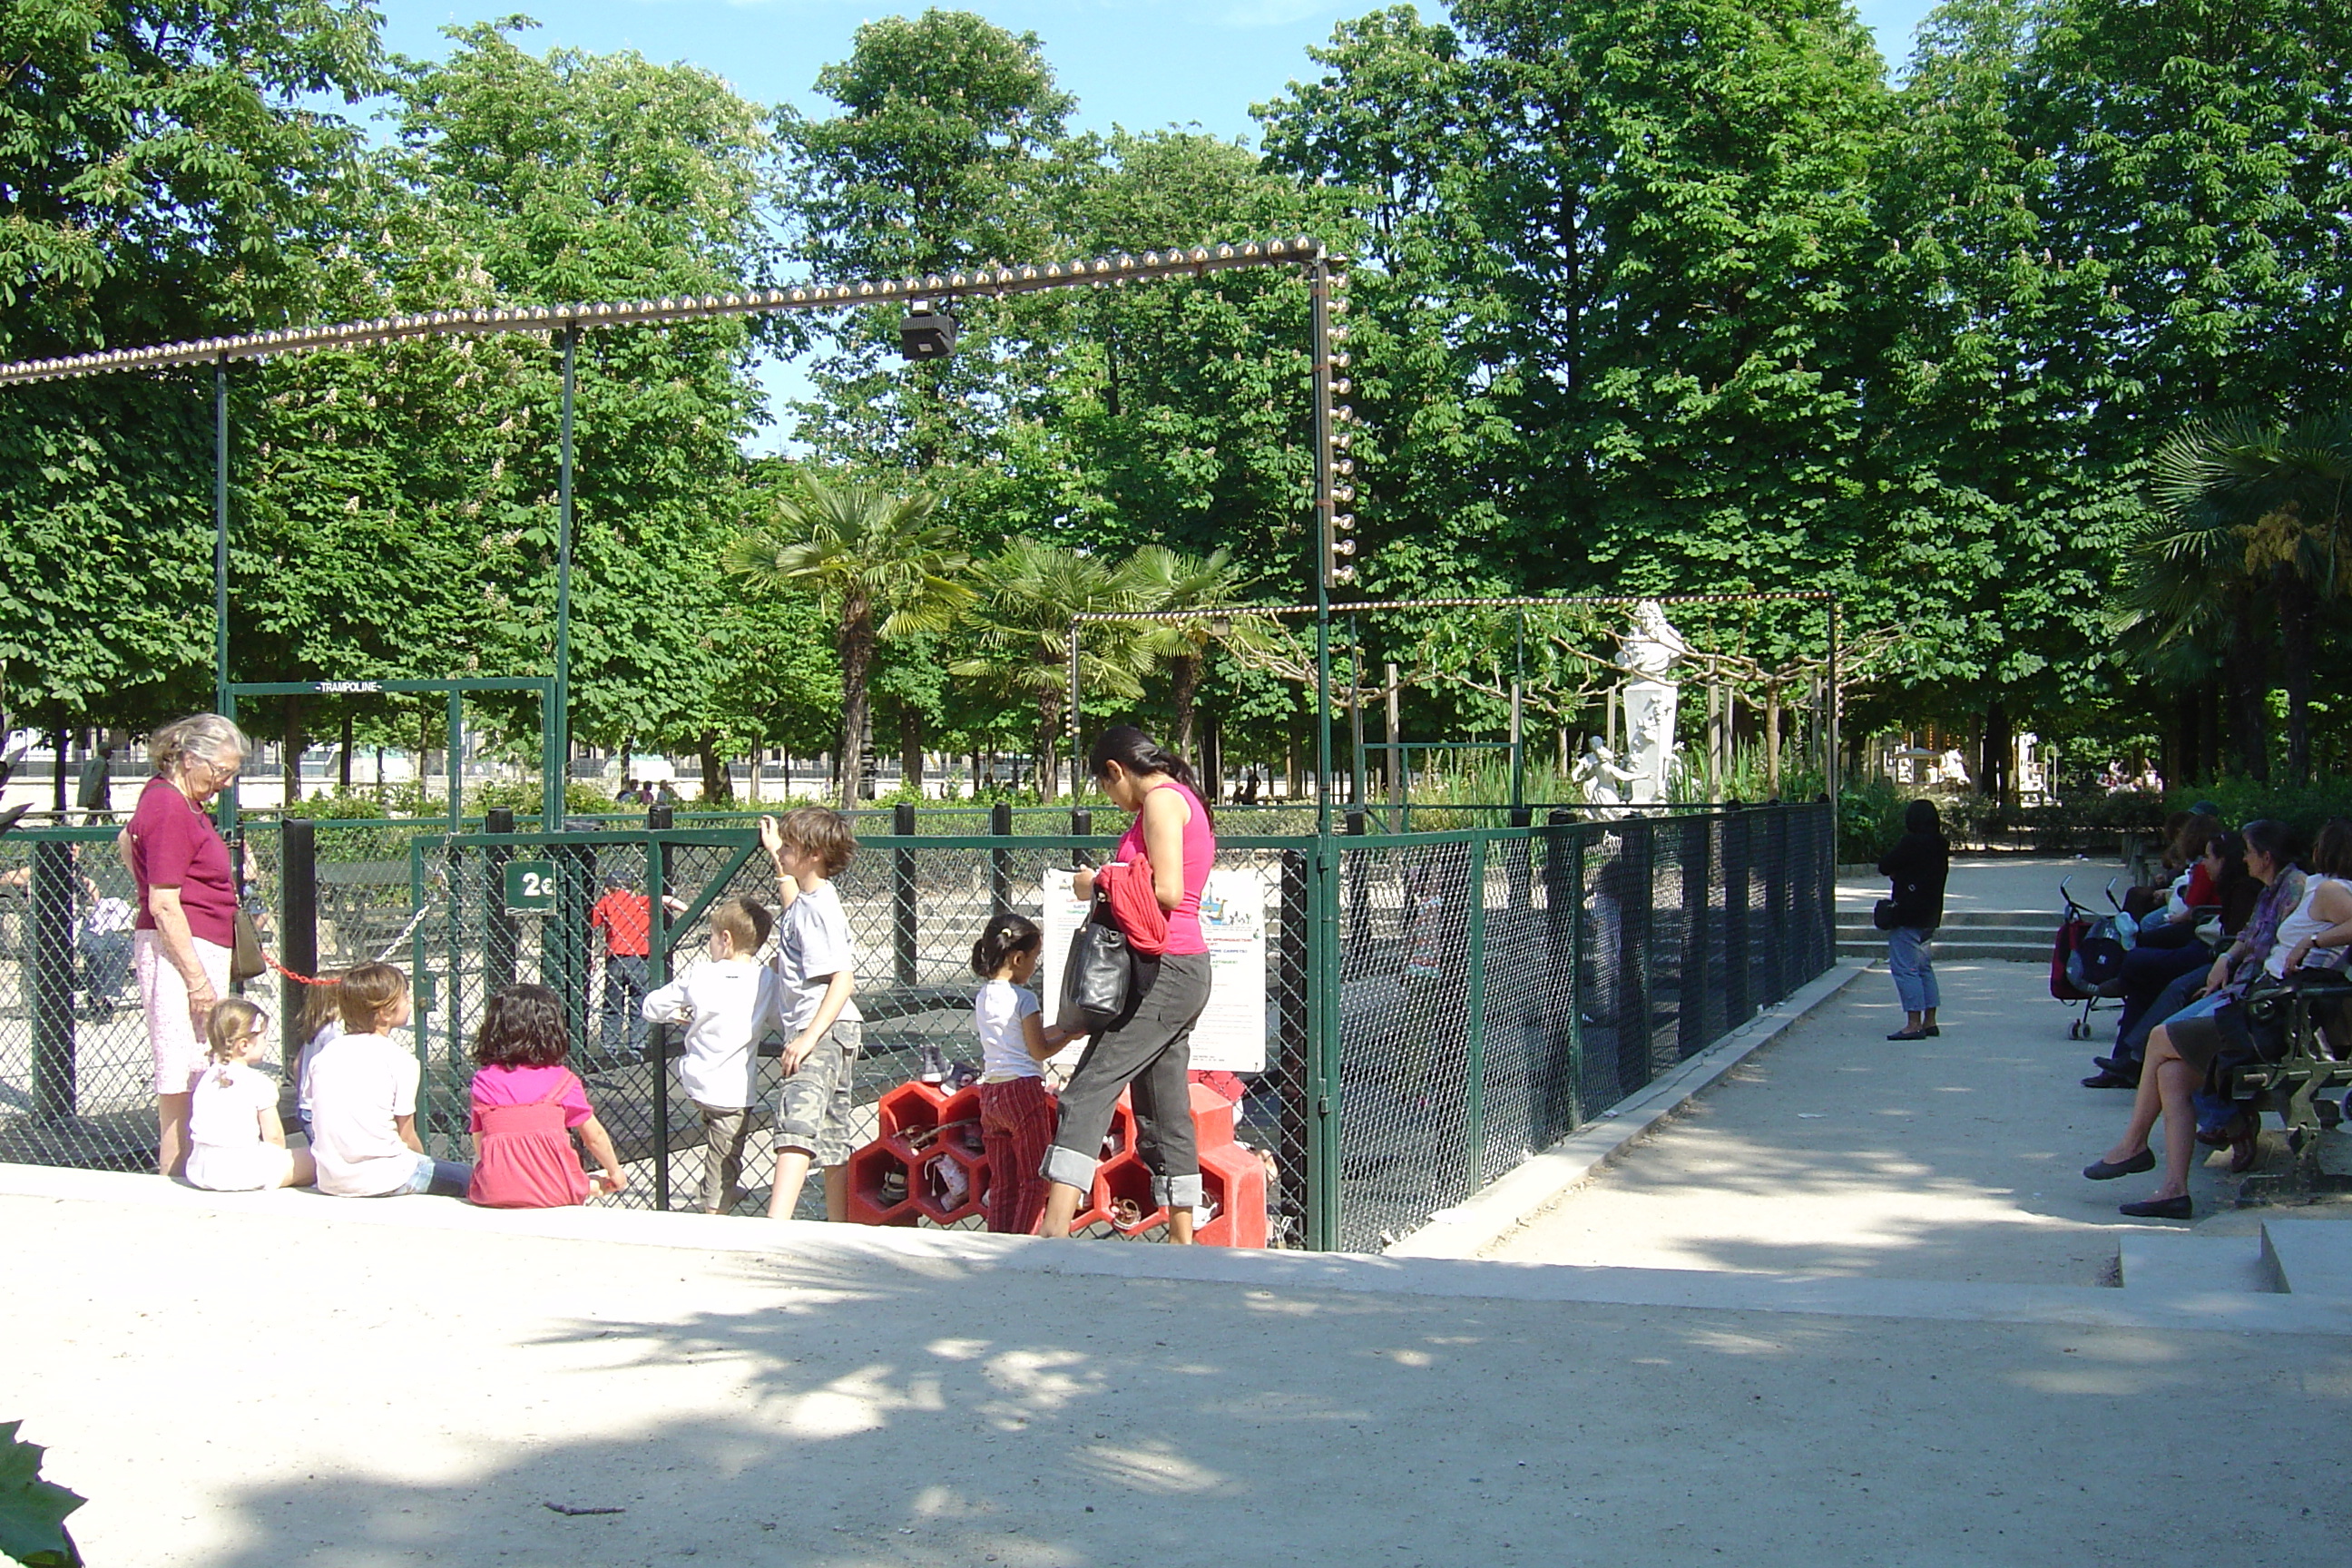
x,y
77,1082
1499,987
1438,1005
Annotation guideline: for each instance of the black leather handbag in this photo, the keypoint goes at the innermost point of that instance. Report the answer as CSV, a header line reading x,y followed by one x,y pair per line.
x,y
1886,914
1100,976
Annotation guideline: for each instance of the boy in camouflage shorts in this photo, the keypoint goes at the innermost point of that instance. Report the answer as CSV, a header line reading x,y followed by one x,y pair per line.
x,y
815,976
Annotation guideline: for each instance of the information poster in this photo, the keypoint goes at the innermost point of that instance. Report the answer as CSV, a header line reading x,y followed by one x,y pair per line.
x,y
1230,1036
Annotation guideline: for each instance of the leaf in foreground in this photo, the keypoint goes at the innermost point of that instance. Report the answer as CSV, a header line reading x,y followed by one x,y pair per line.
x,y
32,1510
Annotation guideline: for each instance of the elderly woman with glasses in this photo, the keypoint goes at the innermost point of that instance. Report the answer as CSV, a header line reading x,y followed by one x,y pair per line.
x,y
187,927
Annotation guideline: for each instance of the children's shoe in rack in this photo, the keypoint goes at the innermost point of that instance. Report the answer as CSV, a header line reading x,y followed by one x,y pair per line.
x,y
892,1188
935,1064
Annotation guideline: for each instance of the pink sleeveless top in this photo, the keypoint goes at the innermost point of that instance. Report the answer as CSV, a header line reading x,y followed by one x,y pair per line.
x,y
1200,853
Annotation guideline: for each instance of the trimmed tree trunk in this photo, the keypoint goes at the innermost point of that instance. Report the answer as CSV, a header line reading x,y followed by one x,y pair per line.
x,y
1184,686
1772,743
295,744
1049,737
910,747
717,787
854,639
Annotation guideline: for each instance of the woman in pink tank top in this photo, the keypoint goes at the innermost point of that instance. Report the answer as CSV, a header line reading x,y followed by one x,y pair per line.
x,y
1150,1047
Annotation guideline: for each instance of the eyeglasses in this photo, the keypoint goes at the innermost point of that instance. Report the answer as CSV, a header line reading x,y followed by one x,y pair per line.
x,y
220,772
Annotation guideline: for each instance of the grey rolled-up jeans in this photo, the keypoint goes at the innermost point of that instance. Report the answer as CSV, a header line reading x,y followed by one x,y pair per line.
x,y
1150,1048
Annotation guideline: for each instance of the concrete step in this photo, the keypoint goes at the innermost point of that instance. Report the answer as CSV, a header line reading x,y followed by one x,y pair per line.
x,y
2310,1254
1874,946
2043,921
2182,1263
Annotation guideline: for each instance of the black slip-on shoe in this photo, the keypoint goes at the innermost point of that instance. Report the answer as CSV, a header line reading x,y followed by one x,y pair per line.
x,y
2108,1170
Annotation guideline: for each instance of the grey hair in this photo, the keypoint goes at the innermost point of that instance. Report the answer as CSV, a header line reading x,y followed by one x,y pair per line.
x,y
200,735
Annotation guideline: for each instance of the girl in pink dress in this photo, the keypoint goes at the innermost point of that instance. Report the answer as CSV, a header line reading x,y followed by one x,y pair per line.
x,y
526,1103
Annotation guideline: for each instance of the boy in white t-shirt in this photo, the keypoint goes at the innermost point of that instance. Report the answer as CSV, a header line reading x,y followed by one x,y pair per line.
x,y
364,1100
814,966
727,1003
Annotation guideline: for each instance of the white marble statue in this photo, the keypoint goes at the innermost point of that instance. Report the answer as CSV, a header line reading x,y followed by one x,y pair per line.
x,y
1648,653
1598,774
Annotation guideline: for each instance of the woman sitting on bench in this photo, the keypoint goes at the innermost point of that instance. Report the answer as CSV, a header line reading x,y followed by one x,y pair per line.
x,y
2299,920
2158,976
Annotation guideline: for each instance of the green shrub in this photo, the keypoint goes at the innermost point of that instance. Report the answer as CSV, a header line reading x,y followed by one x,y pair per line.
x,y
2243,800
522,796
341,805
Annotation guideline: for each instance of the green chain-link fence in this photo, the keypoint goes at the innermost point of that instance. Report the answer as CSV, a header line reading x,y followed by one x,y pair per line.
x,y
1438,1005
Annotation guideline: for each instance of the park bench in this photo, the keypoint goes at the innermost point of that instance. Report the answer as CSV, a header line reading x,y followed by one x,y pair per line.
x,y
2316,1059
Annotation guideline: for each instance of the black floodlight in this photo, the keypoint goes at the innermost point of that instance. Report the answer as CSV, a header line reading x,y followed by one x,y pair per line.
x,y
927,334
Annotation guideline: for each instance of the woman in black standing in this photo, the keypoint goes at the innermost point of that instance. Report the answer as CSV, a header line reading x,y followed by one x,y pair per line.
x,y
1916,866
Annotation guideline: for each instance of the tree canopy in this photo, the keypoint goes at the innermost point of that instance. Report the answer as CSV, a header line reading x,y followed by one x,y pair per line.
x,y
1651,296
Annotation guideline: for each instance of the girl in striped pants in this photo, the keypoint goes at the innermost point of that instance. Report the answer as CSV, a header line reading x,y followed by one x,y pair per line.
x,y
1018,1114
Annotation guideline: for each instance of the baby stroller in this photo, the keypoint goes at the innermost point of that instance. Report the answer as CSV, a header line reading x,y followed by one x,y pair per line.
x,y
2086,961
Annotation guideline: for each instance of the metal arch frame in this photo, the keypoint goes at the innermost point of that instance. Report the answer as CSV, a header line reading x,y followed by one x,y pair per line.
x,y
563,324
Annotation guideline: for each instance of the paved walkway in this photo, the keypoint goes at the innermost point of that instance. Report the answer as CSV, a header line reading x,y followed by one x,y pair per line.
x,y
2004,884
1837,1151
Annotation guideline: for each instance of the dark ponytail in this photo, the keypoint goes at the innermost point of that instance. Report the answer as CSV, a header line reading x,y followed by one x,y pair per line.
x,y
1004,935
1137,753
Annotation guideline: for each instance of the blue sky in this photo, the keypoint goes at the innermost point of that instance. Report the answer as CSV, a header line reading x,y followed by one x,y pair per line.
x,y
1138,63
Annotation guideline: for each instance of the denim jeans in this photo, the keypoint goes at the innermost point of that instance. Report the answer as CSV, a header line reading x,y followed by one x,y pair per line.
x,y
622,1028
442,1178
2152,974
1911,959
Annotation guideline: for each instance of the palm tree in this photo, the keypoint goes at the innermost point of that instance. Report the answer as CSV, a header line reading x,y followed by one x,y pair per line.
x,y
1200,597
1028,593
878,565
2270,506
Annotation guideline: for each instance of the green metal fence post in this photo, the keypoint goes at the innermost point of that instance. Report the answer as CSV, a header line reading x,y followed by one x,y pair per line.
x,y
452,744
657,976
419,949
1325,1200
1563,989
1577,948
560,728
501,935
999,860
1474,1121
902,894
220,535
298,925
